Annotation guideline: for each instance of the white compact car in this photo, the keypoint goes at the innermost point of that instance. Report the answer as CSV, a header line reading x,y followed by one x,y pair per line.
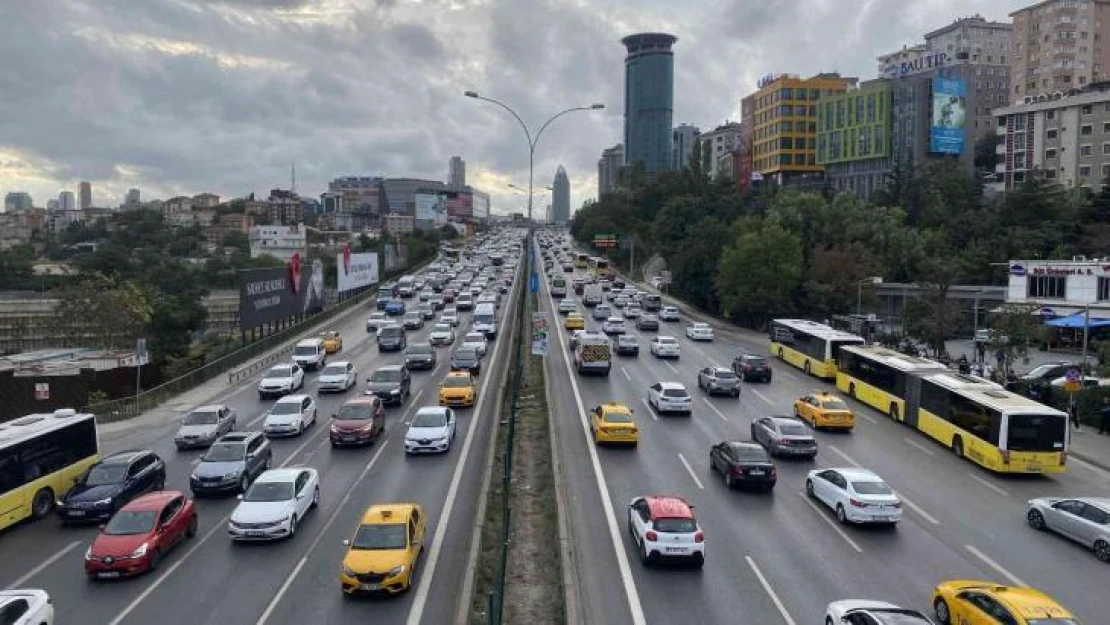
x,y
670,397
280,380
851,611
290,415
431,431
613,325
274,504
26,607
375,321
633,311
669,313
450,317
664,347
477,340
856,495
566,306
699,332
337,377
442,334
664,528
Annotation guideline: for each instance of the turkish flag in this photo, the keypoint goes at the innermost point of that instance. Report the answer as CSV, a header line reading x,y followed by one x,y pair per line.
x,y
295,272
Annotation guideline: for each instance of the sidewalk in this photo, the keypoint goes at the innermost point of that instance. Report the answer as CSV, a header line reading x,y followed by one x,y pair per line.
x,y
1088,445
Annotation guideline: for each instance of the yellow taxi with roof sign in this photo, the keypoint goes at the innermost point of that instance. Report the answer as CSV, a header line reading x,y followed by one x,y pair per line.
x,y
458,390
822,409
333,341
963,602
382,555
613,423
575,321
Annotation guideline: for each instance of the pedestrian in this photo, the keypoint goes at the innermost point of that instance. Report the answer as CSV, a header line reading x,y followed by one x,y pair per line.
x,y
1073,413
964,365
1104,414
981,349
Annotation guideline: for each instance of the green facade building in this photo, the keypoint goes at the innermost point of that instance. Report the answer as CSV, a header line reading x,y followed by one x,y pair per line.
x,y
853,138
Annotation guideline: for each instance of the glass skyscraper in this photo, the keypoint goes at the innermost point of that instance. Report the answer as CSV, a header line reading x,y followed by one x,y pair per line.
x,y
648,100
560,197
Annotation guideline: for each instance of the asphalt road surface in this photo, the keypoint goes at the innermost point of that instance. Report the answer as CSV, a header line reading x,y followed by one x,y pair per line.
x,y
209,580
780,558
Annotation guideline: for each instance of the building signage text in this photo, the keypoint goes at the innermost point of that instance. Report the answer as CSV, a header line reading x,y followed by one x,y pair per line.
x,y
920,64
767,79
1070,271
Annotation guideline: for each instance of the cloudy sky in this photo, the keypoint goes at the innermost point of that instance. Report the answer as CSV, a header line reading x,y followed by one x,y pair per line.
x,y
185,96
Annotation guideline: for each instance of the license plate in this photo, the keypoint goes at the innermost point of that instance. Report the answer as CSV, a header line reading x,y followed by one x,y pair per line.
x,y
755,472
675,550
620,432
108,574
76,513
255,533
1033,466
883,518
370,586
349,439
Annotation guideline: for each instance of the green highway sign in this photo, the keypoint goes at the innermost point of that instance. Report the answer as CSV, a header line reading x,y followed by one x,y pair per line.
x,y
605,241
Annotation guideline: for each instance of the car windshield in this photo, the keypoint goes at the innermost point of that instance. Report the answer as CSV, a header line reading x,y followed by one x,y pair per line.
x,y
429,419
286,407
391,536
1052,621
386,375
872,488
412,317
202,417
751,454
474,338
377,317
279,372
391,332
353,412
457,381
420,351
834,404
128,523
675,526
442,328
105,474
792,429
666,341
224,452
466,355
755,362
618,417
675,392
334,370
270,491
304,350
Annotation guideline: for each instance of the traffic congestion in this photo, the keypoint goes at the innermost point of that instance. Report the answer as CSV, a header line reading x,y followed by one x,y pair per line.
x,y
350,471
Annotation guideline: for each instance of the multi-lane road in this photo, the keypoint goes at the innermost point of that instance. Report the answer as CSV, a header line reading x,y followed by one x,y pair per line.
x,y
779,558
209,580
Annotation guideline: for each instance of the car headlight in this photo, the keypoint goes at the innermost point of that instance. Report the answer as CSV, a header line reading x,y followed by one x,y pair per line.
x,y
88,553
138,553
231,475
397,570
346,570
103,502
395,391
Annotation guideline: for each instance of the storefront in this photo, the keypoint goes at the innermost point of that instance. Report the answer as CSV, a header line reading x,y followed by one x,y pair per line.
x,y
1070,295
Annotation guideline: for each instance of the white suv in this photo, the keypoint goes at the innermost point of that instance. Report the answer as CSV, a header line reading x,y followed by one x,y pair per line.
x,y
664,527
664,347
670,397
310,354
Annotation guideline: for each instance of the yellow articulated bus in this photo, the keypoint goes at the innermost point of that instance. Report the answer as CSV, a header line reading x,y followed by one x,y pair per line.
x,y
41,457
977,419
810,346
582,261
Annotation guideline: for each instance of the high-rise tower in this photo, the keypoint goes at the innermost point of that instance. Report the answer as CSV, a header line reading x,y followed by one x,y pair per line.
x,y
648,100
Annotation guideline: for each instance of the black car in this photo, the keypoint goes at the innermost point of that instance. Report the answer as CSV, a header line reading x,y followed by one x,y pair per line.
x,y
752,368
420,356
467,359
110,484
392,384
391,338
742,463
231,464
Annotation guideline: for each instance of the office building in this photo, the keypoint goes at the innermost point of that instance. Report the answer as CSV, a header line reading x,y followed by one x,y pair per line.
x,y
715,148
66,201
648,101
609,169
984,45
52,205
560,197
892,63
1059,45
683,140
914,139
359,196
281,242
397,224
18,202
853,138
84,195
132,201
1065,139
784,139
399,194
457,173
1062,288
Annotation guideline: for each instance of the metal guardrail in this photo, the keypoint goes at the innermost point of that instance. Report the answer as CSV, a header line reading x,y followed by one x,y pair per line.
x,y
243,373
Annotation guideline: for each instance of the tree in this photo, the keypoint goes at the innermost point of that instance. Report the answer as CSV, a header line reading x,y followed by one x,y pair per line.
x,y
238,240
933,317
100,312
985,156
1013,329
759,273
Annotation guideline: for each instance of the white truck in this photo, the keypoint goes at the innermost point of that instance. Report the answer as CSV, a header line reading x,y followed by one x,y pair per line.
x,y
592,295
592,354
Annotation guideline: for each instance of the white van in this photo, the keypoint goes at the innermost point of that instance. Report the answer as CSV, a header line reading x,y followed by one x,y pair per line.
x,y
485,320
310,354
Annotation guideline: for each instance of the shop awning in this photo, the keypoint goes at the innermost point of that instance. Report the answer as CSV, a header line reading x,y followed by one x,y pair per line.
x,y
1076,321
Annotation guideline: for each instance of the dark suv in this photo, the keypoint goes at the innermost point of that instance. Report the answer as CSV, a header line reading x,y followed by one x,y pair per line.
x,y
231,464
391,338
390,383
420,356
752,368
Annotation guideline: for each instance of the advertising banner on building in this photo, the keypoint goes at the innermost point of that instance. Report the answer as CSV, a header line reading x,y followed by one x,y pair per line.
x,y
946,134
355,270
389,251
267,295
431,207
479,205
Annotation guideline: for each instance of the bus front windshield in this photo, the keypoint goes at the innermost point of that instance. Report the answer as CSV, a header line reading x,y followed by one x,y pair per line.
x,y
1044,433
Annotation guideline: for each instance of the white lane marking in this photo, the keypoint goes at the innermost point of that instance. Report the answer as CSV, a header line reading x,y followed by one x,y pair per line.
x,y
847,458
867,418
629,583
1014,579
997,489
714,408
195,461
670,366
824,517
763,397
42,565
320,535
422,586
1090,467
690,470
298,450
923,449
651,412
625,372
771,592
916,508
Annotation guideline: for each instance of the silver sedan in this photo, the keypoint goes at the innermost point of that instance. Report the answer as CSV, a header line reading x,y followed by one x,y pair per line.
x,y
1086,520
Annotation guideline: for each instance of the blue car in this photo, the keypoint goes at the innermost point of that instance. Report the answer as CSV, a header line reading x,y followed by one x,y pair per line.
x,y
383,301
395,308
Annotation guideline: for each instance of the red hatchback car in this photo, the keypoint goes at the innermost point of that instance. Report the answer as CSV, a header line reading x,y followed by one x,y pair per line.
x,y
140,534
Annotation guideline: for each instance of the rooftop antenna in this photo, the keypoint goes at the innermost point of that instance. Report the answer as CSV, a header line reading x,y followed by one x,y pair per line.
x,y
293,178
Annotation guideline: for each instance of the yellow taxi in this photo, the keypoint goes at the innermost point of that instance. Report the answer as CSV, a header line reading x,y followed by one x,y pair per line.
x,y
381,556
575,321
613,423
824,410
986,603
333,342
458,390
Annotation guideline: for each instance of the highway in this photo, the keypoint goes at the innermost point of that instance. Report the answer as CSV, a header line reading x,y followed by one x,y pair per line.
x,y
209,580
780,558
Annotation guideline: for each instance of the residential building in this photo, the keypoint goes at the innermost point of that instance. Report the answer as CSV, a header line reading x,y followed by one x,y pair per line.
x,y
230,222
853,138
1062,287
14,229
609,169
278,241
18,202
178,210
284,207
66,201
1059,45
1064,138
987,47
892,63
84,195
457,173
396,224
560,197
648,101
914,138
715,145
52,205
683,138
132,198
784,139
206,200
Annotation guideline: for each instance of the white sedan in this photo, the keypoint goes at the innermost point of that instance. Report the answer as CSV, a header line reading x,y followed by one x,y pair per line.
x,y
477,340
338,376
275,504
856,495
431,430
566,306
669,313
442,334
664,347
870,611
26,607
290,415
279,380
699,332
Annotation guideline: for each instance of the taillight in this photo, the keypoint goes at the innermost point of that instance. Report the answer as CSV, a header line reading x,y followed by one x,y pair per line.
x,y
1005,457
651,535
773,472
699,537
897,504
1063,458
857,503
738,470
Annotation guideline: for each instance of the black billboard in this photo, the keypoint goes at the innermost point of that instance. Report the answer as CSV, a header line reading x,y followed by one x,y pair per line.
x,y
267,295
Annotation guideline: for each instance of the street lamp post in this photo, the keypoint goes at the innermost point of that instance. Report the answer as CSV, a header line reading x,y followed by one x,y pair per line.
x,y
532,141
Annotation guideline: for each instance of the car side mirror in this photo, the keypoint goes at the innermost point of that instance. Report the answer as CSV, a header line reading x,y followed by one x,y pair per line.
x,y
239,496
100,527
335,415
346,542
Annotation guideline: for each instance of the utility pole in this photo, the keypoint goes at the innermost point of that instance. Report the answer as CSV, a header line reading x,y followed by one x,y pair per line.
x,y
632,262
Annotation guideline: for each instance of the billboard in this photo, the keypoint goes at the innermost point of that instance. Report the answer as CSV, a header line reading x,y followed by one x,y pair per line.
x,y
431,207
946,135
355,270
480,205
267,295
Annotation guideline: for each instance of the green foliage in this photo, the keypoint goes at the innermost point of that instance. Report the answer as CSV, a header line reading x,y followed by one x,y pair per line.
x,y
761,270
1015,328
